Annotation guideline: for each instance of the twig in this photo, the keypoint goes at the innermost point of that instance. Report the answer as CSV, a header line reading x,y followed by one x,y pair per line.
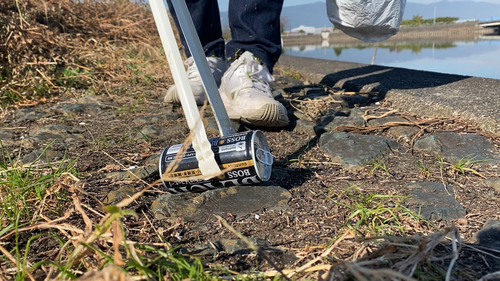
x,y
369,117
324,254
13,260
454,236
46,78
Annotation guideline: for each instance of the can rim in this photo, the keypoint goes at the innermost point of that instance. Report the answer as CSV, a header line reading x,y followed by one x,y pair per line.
x,y
161,167
257,162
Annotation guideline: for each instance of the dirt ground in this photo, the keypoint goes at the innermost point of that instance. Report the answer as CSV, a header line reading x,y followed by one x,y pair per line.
x,y
97,49
318,210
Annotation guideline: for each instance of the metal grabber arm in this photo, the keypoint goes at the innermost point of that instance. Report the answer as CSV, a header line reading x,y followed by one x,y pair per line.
x,y
201,145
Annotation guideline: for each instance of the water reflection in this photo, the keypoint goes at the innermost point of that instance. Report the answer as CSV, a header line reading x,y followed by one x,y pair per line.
x,y
478,57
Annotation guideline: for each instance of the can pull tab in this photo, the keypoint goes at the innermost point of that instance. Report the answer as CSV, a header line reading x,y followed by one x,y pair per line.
x,y
264,156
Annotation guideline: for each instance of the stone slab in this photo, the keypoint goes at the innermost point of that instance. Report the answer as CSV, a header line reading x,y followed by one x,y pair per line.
x,y
454,147
434,201
489,235
237,200
228,246
354,151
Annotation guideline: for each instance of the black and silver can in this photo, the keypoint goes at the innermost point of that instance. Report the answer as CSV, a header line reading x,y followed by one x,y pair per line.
x,y
246,154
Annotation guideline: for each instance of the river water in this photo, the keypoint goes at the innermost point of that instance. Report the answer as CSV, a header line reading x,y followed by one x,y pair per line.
x,y
479,57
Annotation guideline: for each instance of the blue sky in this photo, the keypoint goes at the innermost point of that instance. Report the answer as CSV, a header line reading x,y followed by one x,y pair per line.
x,y
223,3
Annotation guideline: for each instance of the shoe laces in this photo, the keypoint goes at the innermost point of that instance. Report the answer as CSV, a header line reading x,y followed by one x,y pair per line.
x,y
192,70
257,74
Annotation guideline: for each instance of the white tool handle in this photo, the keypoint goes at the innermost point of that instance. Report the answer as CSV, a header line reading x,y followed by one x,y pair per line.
x,y
194,44
204,153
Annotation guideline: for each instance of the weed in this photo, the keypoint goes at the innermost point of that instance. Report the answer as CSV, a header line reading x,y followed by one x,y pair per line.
x,y
424,171
69,77
139,75
377,214
378,165
20,184
144,136
465,165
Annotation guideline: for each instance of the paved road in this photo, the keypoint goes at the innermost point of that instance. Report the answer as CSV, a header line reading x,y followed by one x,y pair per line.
x,y
420,92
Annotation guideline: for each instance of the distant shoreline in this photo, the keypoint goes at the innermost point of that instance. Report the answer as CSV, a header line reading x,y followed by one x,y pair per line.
x,y
466,31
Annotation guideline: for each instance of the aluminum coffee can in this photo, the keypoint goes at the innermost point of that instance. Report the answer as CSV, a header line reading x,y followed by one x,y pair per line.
x,y
246,154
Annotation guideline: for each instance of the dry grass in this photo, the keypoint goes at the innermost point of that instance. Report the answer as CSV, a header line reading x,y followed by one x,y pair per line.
x,y
95,47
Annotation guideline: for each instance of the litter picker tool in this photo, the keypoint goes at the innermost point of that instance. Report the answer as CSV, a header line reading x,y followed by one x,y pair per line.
x,y
246,154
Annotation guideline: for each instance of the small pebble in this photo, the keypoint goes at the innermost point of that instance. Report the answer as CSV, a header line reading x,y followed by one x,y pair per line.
x,y
257,217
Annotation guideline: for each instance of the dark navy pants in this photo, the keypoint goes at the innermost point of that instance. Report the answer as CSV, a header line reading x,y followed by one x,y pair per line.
x,y
254,24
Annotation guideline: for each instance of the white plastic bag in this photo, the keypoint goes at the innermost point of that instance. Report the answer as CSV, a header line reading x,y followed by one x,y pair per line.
x,y
368,20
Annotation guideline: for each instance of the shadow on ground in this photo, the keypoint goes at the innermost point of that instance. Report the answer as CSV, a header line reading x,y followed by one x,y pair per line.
x,y
383,79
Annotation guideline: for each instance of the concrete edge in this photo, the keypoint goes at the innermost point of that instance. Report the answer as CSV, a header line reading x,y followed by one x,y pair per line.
x,y
439,95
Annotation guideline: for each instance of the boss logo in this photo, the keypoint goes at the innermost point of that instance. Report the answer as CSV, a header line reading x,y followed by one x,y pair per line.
x,y
236,139
216,184
239,173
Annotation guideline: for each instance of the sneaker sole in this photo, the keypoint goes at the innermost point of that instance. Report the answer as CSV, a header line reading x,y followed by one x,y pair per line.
x,y
268,115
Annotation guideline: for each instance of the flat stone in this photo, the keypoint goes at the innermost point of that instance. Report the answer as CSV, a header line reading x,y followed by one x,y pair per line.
x,y
115,196
405,133
43,156
77,109
153,160
493,183
385,120
135,173
30,114
156,118
305,127
93,99
434,202
489,235
153,131
355,119
314,92
6,137
56,132
211,126
237,200
228,246
453,147
354,151
428,144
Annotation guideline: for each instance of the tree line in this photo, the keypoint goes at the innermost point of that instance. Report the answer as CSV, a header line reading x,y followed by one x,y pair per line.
x,y
419,20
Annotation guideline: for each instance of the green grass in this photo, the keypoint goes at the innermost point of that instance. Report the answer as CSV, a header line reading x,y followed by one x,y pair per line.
x,y
377,214
23,190
465,164
378,165
424,171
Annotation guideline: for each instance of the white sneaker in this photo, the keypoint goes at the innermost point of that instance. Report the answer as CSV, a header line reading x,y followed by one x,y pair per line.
x,y
217,65
247,96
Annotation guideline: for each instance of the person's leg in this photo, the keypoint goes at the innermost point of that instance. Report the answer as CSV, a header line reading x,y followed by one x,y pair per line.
x,y
206,19
255,27
254,49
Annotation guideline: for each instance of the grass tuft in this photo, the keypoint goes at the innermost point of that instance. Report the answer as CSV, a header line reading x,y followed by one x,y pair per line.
x,y
376,214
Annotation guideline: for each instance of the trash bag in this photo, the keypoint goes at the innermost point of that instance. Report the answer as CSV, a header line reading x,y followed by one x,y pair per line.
x,y
368,20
